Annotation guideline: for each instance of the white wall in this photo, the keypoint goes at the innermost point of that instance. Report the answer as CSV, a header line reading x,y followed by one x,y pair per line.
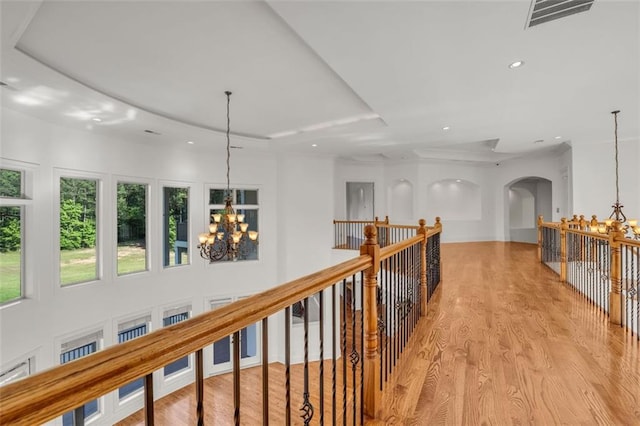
x,y
490,223
594,187
296,210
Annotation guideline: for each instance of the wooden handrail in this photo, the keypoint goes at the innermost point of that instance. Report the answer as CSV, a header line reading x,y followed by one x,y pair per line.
x,y
355,221
51,393
388,225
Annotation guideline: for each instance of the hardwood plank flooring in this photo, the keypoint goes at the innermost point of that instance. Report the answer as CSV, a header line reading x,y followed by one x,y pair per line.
x,y
503,343
506,343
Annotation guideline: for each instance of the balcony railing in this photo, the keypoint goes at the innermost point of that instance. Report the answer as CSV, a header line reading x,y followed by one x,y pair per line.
x,y
604,268
348,234
368,307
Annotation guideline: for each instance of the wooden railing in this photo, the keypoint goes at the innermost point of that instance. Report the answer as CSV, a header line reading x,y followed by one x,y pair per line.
x,y
604,267
354,324
348,234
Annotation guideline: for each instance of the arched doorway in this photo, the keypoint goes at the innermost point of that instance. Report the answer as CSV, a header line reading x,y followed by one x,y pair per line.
x,y
528,198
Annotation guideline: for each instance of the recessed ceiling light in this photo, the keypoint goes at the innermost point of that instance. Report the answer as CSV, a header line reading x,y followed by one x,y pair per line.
x,y
314,144
458,180
96,119
446,128
516,64
558,137
190,142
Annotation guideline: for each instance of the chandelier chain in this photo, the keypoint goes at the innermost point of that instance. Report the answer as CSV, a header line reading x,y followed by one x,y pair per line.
x,y
615,119
228,142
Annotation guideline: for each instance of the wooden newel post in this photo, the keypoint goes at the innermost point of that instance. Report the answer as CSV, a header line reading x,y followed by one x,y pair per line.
x,y
371,397
423,267
540,221
563,249
616,235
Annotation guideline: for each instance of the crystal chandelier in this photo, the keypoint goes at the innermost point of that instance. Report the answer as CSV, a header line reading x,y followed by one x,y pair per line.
x,y
617,216
229,237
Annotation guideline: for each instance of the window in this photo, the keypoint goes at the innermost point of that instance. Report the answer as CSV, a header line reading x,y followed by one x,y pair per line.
x,y
74,349
11,235
132,227
245,201
17,371
170,317
78,230
175,215
129,330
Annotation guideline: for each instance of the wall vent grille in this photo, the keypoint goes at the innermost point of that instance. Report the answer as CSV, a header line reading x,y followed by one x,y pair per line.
x,y
542,11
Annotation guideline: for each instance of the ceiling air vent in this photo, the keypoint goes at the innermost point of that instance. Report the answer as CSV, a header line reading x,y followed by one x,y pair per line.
x,y
548,10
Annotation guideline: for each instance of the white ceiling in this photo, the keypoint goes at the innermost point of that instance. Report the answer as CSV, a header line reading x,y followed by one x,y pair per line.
x,y
360,79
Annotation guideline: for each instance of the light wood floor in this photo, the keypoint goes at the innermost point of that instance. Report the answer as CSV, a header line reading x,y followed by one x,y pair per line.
x,y
504,344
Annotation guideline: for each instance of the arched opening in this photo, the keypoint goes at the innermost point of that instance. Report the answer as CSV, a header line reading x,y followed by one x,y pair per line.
x,y
401,198
527,198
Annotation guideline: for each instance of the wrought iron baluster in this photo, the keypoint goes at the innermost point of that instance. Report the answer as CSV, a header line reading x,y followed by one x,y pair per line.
x,y
353,356
362,349
307,408
321,367
78,416
265,371
236,378
333,354
148,400
200,387
344,348
287,365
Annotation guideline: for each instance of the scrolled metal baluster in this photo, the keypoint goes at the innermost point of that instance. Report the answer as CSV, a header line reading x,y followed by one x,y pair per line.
x,y
307,407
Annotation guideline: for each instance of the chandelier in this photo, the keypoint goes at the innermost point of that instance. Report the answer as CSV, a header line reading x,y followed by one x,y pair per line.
x,y
229,237
617,217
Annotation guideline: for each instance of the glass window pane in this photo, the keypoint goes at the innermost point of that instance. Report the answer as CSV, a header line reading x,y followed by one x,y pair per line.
x,y
10,183
10,253
132,228
246,196
248,342
176,226
222,351
91,407
123,336
216,196
78,231
182,363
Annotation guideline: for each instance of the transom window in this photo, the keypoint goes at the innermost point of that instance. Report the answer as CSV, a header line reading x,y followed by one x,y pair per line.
x,y
129,330
74,349
171,317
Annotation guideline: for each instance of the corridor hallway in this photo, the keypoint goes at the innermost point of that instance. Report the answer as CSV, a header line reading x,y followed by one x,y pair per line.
x,y
505,343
